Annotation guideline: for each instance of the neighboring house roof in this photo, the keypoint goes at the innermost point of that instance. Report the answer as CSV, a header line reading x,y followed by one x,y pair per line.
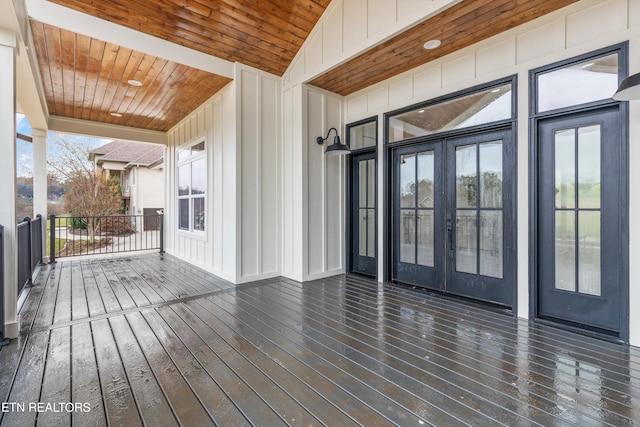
x,y
131,153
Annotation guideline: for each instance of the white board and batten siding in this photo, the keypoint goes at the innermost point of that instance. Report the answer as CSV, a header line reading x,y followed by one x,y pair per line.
x,y
241,131
313,184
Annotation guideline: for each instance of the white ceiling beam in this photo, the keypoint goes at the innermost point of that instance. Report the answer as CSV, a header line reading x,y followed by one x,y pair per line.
x,y
105,130
77,22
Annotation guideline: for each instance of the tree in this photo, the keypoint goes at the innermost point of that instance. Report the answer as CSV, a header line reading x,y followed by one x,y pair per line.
x,y
68,157
88,195
91,196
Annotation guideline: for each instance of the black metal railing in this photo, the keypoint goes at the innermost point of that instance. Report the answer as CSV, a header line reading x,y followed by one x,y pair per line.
x,y
94,235
2,340
29,249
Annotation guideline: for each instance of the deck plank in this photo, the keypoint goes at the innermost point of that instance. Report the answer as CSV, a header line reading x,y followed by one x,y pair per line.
x,y
302,365
312,405
10,356
150,398
544,365
85,380
62,311
92,293
217,403
186,407
28,381
185,282
129,296
409,394
147,338
120,406
109,299
56,384
79,306
459,357
252,406
47,306
127,273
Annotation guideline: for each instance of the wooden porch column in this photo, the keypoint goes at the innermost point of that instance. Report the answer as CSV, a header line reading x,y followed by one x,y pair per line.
x,y
40,181
8,43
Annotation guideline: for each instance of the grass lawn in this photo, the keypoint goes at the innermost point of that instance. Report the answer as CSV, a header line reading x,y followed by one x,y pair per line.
x,y
59,245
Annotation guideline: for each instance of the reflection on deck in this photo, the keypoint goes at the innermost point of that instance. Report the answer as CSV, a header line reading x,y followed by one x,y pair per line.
x,y
147,339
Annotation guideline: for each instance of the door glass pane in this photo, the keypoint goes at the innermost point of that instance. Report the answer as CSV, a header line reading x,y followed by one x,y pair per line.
x,y
466,176
491,254
425,238
425,179
362,136
362,235
589,167
362,184
407,181
565,250
565,173
491,174
371,236
466,242
371,183
407,236
198,214
589,252
576,84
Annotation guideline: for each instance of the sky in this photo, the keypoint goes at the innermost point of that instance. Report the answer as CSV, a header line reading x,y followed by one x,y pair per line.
x,y
24,150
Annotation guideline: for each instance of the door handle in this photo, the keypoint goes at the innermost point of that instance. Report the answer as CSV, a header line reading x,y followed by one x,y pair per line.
x,y
450,235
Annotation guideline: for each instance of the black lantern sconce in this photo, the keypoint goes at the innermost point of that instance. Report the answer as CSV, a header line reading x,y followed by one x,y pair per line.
x,y
629,89
337,147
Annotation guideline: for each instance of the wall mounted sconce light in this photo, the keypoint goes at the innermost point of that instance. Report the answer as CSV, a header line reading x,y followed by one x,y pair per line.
x,y
629,89
337,147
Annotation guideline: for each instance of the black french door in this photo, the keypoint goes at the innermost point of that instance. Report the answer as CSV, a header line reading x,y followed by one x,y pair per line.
x,y
454,216
582,201
418,215
363,213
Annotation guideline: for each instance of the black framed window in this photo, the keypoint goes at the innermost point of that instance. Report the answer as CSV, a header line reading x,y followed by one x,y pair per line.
x,y
471,108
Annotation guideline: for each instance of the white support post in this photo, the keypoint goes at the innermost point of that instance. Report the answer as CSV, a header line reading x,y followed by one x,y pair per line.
x,y
8,45
39,137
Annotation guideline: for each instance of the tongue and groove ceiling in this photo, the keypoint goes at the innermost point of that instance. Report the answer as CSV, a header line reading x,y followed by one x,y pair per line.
x,y
86,78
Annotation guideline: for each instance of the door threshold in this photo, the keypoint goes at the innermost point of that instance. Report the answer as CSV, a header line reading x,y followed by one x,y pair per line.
x,y
586,330
486,305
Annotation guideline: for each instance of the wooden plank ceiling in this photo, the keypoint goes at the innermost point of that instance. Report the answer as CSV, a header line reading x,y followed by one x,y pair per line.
x,y
462,25
265,34
85,78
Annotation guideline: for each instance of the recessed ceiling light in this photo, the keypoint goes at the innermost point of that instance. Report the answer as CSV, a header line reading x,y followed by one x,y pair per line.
x,y
116,114
134,82
432,44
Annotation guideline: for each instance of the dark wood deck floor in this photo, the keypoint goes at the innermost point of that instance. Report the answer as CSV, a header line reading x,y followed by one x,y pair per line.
x,y
150,340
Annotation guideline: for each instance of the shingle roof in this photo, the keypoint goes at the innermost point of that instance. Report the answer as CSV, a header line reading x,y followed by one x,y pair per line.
x,y
129,152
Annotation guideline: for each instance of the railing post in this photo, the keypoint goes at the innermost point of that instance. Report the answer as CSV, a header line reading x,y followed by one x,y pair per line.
x,y
40,230
161,233
2,340
52,239
29,231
